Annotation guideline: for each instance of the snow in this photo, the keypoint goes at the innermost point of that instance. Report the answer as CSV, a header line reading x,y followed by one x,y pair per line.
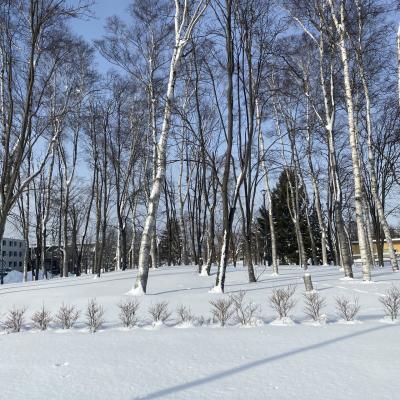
x,y
17,276
138,291
216,289
336,360
285,321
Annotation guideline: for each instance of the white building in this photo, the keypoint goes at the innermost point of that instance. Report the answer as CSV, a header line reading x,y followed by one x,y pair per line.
x,y
12,254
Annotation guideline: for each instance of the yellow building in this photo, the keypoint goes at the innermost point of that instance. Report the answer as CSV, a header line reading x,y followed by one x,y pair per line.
x,y
355,247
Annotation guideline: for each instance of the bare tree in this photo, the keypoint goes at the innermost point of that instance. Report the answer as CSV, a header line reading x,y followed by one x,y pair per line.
x,y
185,21
341,27
40,26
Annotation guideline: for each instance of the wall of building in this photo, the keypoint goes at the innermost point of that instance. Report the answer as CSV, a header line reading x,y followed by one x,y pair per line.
x,y
12,253
356,248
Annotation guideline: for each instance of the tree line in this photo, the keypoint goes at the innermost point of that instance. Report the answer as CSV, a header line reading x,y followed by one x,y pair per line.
x,y
223,130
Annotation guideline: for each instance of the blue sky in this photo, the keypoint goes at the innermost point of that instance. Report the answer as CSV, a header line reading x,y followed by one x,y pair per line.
x,y
93,27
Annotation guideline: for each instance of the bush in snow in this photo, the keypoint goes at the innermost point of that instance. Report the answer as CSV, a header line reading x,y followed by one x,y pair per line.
x,y
184,314
222,310
128,312
391,302
282,300
245,313
15,319
314,303
201,320
159,312
94,315
41,319
347,309
67,316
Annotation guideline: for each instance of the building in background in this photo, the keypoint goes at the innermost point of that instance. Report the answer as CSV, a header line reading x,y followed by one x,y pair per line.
x,y
12,254
355,247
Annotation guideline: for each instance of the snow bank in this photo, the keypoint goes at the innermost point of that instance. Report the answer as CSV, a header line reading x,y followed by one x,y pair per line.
x,y
17,276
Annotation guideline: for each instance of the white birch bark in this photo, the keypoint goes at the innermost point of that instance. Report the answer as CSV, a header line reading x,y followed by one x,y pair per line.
x,y
275,268
118,251
371,154
133,208
398,62
353,137
183,32
328,91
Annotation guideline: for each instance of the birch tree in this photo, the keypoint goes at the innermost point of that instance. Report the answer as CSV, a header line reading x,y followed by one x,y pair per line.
x,y
359,50
263,153
185,21
314,21
340,25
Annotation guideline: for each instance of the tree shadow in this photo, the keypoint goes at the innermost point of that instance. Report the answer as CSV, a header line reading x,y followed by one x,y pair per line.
x,y
245,367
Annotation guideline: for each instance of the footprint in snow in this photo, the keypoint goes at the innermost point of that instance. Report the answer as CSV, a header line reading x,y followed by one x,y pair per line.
x,y
65,364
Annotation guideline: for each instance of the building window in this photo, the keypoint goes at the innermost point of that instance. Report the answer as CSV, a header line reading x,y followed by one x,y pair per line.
x,y
10,254
15,263
15,244
20,244
10,264
20,263
20,253
10,243
15,254
4,253
4,242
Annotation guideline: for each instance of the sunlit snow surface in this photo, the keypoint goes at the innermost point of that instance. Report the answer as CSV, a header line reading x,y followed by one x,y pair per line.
x,y
293,360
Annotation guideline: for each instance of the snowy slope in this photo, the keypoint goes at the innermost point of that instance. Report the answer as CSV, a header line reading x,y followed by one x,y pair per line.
x,y
335,361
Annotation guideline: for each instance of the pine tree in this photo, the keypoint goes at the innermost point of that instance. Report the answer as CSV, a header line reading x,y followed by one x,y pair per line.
x,y
287,248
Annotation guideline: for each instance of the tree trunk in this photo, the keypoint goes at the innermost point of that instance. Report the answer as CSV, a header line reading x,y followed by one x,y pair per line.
x,y
371,155
353,137
275,270
398,63
148,230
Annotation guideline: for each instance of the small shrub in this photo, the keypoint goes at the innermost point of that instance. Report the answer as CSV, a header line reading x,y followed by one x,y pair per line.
x,y
222,310
159,312
201,320
67,316
15,319
314,303
128,312
282,300
391,302
184,314
41,319
94,315
346,309
244,312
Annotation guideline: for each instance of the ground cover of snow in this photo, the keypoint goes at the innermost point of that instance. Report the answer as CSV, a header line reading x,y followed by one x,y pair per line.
x,y
293,360
17,276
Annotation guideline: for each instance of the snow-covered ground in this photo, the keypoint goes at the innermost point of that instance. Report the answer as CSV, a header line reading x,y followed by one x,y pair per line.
x,y
300,361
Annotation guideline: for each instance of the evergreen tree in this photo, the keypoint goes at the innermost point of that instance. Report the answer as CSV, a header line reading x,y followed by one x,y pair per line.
x,y
170,243
287,248
264,236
